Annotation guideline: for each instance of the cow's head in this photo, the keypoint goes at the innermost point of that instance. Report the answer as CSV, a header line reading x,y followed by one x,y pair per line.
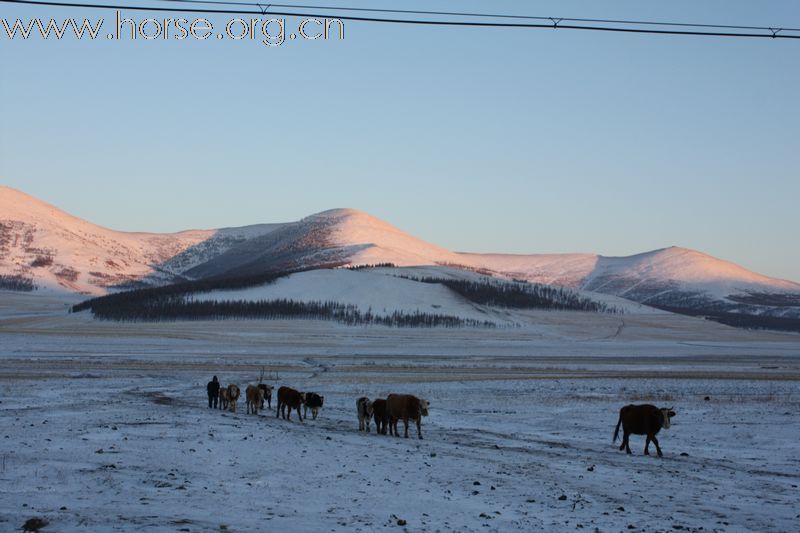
x,y
423,407
303,397
668,413
368,407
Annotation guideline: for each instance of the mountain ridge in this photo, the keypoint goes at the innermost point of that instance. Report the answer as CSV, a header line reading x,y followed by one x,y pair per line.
x,y
58,250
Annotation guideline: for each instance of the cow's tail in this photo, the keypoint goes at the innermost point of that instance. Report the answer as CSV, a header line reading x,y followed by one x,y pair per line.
x,y
616,430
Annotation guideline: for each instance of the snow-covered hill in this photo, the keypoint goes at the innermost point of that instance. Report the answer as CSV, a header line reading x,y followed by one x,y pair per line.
x,y
674,276
383,291
56,250
335,237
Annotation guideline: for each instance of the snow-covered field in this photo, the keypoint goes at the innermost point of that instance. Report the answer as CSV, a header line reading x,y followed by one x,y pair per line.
x,y
386,290
106,427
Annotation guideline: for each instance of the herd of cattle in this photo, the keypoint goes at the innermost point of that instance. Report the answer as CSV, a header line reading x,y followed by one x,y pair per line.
x,y
387,412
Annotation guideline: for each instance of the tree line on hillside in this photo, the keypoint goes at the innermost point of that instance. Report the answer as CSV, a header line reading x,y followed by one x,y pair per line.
x,y
520,295
142,297
739,320
372,265
16,283
128,307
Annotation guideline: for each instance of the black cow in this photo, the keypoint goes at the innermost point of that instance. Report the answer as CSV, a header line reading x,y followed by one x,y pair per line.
x,y
267,394
381,415
642,420
314,402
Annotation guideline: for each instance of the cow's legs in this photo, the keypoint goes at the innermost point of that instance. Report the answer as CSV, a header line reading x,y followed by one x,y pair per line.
x,y
298,414
278,410
419,427
658,448
625,442
405,423
305,410
647,445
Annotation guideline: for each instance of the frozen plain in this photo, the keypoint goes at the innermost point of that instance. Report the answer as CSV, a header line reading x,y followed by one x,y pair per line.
x,y
105,425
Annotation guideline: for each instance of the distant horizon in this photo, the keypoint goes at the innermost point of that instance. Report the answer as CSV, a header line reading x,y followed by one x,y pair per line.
x,y
417,235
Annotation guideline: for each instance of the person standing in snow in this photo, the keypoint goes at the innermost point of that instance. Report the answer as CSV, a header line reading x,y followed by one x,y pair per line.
x,y
213,392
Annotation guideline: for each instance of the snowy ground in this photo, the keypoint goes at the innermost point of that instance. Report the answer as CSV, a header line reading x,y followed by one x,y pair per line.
x,y
106,428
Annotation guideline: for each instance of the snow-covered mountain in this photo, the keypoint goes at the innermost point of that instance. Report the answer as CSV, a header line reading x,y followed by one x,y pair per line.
x,y
54,249
672,277
335,237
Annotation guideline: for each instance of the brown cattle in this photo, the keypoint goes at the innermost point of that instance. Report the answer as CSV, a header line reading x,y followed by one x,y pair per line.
x,y
233,396
642,420
380,415
288,397
223,398
407,407
254,396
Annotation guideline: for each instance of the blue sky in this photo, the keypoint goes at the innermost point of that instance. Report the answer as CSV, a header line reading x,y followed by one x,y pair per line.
x,y
476,139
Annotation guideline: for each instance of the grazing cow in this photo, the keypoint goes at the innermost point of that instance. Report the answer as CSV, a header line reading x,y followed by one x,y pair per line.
x,y
267,394
642,420
291,399
223,398
314,402
213,392
380,415
407,407
233,397
255,398
364,410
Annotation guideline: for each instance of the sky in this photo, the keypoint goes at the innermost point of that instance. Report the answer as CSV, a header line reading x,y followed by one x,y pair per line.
x,y
476,139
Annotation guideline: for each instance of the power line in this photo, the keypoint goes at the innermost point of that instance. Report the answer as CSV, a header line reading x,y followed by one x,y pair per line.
x,y
483,15
556,23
